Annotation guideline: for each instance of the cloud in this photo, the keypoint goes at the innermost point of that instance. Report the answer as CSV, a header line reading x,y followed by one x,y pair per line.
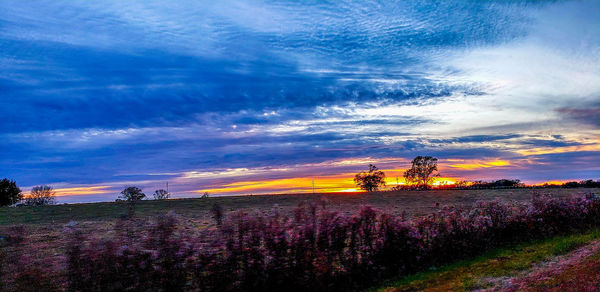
x,y
583,115
143,92
483,164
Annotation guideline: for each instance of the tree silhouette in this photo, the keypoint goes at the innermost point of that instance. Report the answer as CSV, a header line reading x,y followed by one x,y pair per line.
x,y
132,194
370,181
40,195
161,194
422,171
9,192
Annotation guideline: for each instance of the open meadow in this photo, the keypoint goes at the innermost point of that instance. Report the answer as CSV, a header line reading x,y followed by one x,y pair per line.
x,y
42,238
198,209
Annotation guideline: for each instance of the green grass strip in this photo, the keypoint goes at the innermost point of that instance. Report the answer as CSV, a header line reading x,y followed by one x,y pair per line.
x,y
502,262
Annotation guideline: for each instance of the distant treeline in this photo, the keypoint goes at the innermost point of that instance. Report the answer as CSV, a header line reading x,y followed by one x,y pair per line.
x,y
573,184
497,184
515,183
504,184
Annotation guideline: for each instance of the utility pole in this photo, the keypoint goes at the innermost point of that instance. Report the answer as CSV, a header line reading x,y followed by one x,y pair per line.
x,y
313,182
167,187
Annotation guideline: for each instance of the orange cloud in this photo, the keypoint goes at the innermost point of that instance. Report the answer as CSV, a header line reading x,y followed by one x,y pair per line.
x,y
331,183
551,150
82,191
481,164
76,191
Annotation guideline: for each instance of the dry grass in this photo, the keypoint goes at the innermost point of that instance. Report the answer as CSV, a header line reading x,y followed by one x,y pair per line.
x,y
411,202
45,226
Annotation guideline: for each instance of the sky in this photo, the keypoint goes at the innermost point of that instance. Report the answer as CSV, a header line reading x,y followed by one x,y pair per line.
x,y
249,97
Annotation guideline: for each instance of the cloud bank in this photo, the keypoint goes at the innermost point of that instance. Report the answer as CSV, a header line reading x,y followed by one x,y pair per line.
x,y
214,95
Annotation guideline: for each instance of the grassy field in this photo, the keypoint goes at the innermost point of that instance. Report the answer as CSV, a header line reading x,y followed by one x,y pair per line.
x,y
411,202
45,226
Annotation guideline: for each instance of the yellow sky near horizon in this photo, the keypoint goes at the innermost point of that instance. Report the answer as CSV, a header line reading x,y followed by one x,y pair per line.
x,y
341,182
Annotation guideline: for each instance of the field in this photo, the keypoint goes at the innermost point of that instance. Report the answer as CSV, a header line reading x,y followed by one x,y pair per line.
x,y
44,229
197,210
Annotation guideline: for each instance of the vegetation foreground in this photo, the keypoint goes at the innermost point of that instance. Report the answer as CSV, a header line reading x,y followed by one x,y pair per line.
x,y
561,263
313,247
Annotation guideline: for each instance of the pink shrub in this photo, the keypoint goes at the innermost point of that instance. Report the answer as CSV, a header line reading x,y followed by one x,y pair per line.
x,y
315,248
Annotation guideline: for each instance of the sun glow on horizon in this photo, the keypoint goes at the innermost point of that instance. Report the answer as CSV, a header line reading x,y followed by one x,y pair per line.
x,y
77,191
322,184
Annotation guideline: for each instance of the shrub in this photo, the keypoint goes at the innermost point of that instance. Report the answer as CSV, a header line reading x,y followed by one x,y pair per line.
x,y
315,249
218,213
20,271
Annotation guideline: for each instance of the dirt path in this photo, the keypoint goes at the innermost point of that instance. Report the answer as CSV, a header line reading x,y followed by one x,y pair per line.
x,y
548,275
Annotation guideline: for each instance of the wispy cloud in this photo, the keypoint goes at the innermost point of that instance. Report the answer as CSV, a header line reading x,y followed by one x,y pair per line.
x,y
212,94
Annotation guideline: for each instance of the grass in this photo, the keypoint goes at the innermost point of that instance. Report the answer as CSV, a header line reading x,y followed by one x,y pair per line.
x,y
45,226
411,202
470,274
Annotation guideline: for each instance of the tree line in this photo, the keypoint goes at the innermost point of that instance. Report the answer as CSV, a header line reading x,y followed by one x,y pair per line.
x,y
12,195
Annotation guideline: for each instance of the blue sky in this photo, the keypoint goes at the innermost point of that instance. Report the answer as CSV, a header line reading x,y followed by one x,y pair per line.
x,y
225,96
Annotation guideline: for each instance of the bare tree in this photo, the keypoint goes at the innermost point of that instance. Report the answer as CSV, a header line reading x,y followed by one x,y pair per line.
x,y
422,171
40,195
370,181
161,194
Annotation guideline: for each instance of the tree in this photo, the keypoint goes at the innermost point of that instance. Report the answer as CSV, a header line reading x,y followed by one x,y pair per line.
x,y
511,183
571,184
132,194
9,192
161,194
422,171
589,183
370,181
40,195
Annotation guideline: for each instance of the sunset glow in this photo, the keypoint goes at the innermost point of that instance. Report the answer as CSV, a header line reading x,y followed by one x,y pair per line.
x,y
549,150
255,145
78,191
483,164
323,184
248,97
